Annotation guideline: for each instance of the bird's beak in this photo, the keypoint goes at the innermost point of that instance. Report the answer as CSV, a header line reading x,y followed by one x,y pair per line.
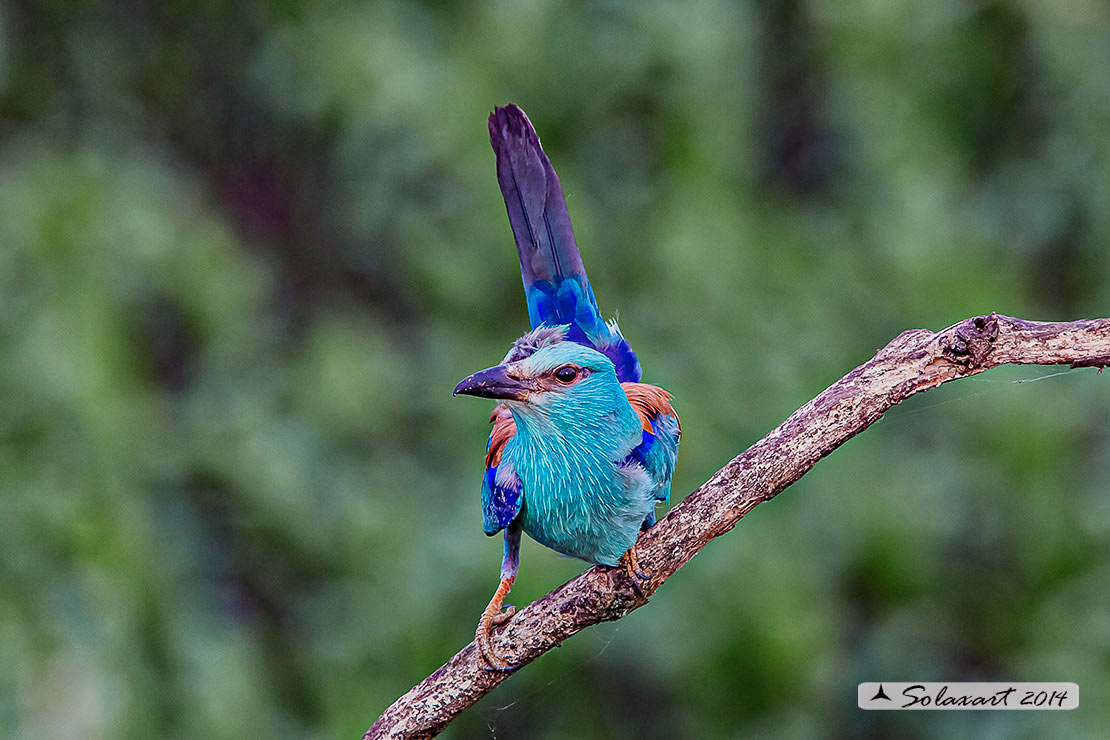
x,y
496,382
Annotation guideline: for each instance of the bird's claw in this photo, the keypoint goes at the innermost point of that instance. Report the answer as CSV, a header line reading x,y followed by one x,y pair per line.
x,y
632,569
504,616
491,617
482,636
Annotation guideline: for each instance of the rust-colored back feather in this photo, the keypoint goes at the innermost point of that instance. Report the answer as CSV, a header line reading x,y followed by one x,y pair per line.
x,y
649,402
504,427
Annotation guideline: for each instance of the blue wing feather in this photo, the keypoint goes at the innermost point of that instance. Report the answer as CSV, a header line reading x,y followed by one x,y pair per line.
x,y
556,288
659,460
657,451
501,487
500,502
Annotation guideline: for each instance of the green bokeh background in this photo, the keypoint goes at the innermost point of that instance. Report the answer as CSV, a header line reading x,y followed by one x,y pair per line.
x,y
247,249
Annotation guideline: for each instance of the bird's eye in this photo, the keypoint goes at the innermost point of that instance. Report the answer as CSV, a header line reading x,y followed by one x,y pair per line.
x,y
566,374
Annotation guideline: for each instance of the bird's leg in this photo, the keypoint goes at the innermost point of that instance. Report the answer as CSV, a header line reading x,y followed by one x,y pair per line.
x,y
493,615
632,568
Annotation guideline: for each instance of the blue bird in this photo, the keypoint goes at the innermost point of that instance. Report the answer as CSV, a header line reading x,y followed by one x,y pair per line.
x,y
580,450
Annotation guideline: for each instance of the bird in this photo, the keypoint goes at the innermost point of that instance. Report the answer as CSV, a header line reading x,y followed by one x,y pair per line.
x,y
580,451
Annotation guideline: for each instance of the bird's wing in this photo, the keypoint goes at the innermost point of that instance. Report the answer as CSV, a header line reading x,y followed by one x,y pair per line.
x,y
555,284
661,430
501,488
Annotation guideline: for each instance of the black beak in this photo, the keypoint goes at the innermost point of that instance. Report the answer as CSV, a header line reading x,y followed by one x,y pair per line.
x,y
495,382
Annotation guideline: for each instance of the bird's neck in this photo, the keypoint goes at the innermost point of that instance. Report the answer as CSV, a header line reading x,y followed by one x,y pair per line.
x,y
607,426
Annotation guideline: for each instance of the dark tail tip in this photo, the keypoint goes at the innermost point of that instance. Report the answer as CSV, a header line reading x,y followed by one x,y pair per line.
x,y
509,124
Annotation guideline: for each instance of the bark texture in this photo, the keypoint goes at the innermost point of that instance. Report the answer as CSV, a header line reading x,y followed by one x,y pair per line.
x,y
913,362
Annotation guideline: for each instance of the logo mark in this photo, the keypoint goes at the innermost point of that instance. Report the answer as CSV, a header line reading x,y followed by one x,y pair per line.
x,y
880,694
898,695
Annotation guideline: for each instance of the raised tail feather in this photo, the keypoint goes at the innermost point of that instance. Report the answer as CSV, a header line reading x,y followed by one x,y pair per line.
x,y
555,284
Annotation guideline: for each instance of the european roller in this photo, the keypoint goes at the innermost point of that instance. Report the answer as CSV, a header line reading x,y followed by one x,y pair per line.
x,y
580,451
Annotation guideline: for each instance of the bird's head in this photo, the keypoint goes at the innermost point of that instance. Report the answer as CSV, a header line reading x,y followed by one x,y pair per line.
x,y
547,375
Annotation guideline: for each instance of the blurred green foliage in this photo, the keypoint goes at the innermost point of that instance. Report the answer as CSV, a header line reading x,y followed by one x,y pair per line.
x,y
247,249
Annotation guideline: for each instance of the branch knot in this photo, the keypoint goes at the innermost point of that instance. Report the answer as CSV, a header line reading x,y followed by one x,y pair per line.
x,y
970,342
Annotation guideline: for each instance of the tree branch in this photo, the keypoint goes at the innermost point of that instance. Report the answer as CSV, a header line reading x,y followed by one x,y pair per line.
x,y
913,362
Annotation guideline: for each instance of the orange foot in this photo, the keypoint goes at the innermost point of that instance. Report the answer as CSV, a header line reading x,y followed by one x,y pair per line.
x,y
492,617
632,568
